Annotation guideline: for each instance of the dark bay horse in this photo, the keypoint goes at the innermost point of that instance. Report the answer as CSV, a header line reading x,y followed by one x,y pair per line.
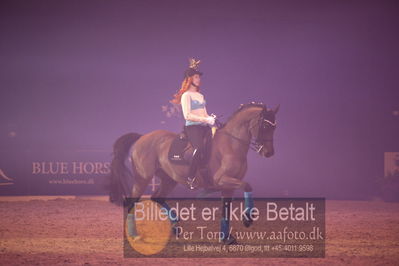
x,y
251,126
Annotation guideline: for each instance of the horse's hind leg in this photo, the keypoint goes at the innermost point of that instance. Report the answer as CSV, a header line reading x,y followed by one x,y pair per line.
x,y
159,196
139,187
166,186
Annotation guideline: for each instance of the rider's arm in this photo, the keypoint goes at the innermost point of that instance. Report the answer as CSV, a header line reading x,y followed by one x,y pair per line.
x,y
206,111
186,108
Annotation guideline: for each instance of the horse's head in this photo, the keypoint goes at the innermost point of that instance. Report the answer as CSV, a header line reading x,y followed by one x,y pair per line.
x,y
253,124
262,130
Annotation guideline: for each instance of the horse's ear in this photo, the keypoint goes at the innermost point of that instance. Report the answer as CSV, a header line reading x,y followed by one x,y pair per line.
x,y
275,110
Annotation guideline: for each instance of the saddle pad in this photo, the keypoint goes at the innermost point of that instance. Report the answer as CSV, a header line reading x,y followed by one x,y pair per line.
x,y
176,151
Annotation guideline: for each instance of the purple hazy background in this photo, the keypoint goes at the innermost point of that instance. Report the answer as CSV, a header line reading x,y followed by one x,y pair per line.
x,y
79,74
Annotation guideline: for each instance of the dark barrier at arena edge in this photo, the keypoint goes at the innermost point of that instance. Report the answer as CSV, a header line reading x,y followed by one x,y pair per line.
x,y
281,227
56,172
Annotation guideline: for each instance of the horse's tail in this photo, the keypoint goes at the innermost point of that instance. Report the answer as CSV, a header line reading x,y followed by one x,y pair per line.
x,y
117,182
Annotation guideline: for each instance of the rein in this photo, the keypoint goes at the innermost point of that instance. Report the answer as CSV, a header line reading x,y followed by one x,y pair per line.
x,y
253,144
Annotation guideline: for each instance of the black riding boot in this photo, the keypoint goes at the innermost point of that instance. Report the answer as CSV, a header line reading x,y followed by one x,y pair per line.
x,y
195,162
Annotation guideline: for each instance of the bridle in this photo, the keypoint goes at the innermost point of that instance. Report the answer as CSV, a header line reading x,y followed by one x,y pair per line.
x,y
258,143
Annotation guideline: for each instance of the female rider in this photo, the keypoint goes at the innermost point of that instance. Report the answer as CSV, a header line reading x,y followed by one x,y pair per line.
x,y
197,121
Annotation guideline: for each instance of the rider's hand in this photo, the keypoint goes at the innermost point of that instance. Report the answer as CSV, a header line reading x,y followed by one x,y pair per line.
x,y
210,120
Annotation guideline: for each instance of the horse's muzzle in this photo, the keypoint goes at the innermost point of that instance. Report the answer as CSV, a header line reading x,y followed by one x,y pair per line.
x,y
266,152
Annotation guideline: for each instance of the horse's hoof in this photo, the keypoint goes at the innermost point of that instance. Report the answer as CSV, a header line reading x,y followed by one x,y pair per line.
x,y
175,230
137,238
247,221
230,241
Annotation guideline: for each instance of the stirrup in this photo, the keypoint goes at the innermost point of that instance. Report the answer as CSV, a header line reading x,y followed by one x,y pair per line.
x,y
190,182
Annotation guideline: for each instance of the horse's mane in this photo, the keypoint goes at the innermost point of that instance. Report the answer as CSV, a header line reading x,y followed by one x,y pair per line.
x,y
241,108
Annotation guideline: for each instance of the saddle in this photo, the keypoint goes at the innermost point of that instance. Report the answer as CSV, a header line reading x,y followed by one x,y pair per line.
x,y
180,151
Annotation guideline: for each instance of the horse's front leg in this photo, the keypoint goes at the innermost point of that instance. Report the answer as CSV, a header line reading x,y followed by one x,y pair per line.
x,y
225,236
249,205
234,183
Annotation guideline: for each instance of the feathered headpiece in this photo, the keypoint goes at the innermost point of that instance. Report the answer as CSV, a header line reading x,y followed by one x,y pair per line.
x,y
193,68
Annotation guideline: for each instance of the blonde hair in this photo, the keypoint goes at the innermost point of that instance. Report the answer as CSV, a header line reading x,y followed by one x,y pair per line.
x,y
184,87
